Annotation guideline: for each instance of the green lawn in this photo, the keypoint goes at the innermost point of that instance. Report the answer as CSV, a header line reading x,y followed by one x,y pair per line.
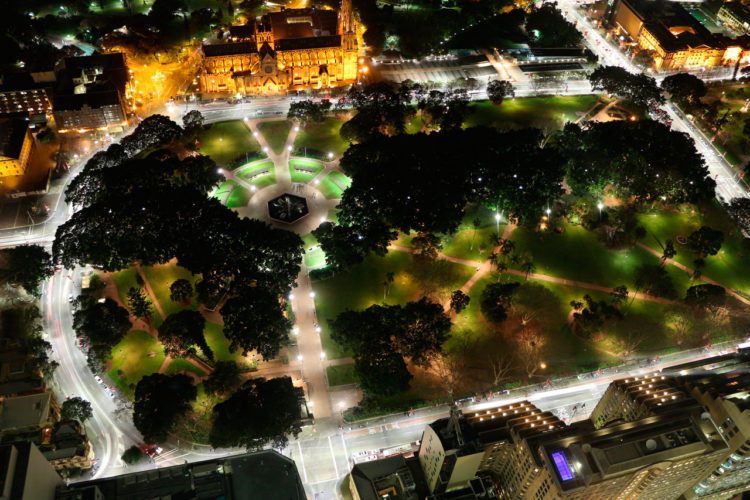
x,y
183,365
323,137
730,267
138,354
341,375
220,345
578,255
275,133
473,243
239,197
161,277
330,187
226,141
362,286
340,179
529,112
310,168
255,168
125,280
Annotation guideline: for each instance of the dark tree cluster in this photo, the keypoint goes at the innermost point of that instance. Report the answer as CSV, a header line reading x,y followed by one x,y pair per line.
x,y
154,209
382,336
547,27
643,160
259,414
25,324
382,108
159,401
25,266
307,112
639,88
102,325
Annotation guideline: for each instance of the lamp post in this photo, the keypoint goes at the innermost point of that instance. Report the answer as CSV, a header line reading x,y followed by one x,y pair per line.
x,y
600,206
497,220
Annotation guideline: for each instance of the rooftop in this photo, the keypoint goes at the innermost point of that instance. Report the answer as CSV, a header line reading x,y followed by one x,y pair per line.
x,y
260,475
12,134
24,411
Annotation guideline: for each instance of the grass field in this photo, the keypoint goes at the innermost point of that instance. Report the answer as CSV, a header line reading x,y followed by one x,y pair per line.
x,y
138,354
341,374
730,267
473,243
125,280
538,112
161,277
275,133
239,197
305,164
249,171
362,286
323,137
330,187
579,255
226,141
183,365
220,345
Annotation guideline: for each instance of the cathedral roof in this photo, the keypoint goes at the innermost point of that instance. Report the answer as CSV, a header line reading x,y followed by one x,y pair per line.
x,y
266,49
315,42
229,49
301,23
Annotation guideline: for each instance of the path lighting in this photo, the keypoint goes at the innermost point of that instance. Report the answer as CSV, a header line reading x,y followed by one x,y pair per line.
x,y
310,404
543,365
296,128
497,220
330,155
291,296
312,295
341,405
255,134
253,188
548,211
317,329
600,206
296,330
219,170
299,357
265,149
322,220
322,355
289,148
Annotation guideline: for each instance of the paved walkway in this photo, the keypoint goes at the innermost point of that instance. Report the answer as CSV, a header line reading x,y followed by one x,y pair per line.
x,y
676,264
541,277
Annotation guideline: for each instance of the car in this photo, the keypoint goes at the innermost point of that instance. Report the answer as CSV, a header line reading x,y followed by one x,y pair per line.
x,y
71,298
109,393
98,379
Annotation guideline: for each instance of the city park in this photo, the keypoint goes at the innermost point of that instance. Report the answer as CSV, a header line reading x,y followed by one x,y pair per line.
x,y
582,301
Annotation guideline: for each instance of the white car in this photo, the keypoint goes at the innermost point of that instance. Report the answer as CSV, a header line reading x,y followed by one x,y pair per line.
x,y
98,379
110,393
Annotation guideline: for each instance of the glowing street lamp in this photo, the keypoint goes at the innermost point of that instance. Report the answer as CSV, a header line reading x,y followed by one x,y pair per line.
x,y
497,220
600,206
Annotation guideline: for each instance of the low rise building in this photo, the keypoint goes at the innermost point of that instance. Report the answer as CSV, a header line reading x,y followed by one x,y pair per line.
x,y
26,93
17,145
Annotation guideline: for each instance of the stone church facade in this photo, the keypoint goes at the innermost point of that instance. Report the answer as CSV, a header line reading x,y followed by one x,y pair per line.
x,y
289,50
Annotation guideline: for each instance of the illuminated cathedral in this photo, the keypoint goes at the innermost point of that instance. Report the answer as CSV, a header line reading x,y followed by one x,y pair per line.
x,y
292,49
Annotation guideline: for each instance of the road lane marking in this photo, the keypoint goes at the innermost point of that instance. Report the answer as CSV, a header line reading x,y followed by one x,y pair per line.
x,y
333,457
302,461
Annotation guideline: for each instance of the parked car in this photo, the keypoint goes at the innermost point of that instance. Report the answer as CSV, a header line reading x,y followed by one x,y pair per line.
x,y
98,379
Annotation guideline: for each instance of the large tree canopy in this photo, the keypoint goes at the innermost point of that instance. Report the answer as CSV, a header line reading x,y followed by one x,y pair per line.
x,y
159,400
182,332
260,413
639,88
25,266
255,321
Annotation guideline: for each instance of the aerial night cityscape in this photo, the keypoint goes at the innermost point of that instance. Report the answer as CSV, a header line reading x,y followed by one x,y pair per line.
x,y
374,249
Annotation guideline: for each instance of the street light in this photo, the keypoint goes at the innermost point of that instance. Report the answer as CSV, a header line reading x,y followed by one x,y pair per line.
x,y
291,296
548,211
341,405
312,295
330,156
322,355
318,329
497,219
600,206
299,357
296,330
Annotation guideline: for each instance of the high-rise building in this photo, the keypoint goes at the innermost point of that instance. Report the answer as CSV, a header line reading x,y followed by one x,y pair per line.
x,y
25,474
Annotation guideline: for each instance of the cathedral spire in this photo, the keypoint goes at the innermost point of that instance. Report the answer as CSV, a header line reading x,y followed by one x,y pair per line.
x,y
346,17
